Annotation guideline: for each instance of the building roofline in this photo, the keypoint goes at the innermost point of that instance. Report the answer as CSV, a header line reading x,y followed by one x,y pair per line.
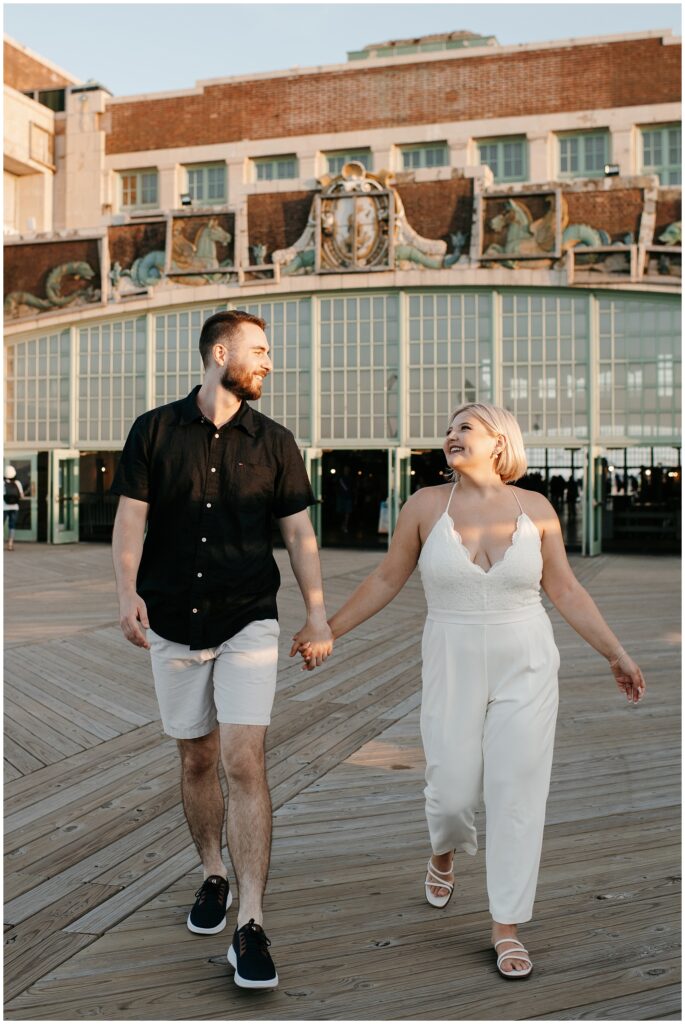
x,y
386,62
41,60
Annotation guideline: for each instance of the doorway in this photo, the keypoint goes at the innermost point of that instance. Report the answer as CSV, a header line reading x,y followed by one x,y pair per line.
x,y
638,491
64,496
97,507
26,466
354,494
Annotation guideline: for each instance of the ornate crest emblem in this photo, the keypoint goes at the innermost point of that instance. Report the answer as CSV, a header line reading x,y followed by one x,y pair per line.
x,y
358,224
354,219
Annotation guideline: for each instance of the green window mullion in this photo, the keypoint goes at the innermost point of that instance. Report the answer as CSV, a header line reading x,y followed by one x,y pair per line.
x,y
277,168
506,158
661,153
415,157
196,184
583,155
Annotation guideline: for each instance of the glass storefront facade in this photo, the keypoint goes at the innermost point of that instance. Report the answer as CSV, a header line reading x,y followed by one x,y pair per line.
x,y
380,371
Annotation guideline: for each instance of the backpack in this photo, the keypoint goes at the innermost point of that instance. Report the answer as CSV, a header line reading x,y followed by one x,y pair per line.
x,y
12,493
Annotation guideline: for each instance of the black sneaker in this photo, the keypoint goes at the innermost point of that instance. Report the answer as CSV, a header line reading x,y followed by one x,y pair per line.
x,y
212,900
249,955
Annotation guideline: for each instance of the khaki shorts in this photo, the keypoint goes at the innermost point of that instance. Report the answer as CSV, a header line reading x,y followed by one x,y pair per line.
x,y
233,683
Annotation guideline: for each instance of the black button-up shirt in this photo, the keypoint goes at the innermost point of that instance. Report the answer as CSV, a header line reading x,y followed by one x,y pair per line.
x,y
207,568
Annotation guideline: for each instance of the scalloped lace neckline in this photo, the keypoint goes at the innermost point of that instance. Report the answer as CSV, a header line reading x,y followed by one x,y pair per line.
x,y
457,536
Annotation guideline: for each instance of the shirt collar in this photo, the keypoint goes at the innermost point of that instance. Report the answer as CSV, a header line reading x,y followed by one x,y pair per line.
x,y
245,418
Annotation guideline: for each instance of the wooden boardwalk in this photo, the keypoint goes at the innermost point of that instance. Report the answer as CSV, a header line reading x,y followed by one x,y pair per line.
x,y
100,870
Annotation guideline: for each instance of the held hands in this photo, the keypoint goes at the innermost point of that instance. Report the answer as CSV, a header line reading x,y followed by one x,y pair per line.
x,y
314,642
133,620
628,676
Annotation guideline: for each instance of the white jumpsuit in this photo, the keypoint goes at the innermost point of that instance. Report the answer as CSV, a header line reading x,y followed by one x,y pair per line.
x,y
489,707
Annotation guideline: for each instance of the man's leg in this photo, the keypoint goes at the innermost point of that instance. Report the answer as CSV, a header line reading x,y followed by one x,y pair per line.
x,y
203,799
184,688
249,814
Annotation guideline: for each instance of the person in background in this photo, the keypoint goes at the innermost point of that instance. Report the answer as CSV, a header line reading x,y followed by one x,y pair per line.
x,y
13,494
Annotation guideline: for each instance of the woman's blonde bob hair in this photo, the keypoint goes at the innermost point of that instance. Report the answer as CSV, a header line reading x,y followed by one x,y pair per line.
x,y
511,463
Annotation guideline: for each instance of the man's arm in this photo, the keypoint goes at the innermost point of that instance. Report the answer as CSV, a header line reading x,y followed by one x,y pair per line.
x,y
300,540
127,549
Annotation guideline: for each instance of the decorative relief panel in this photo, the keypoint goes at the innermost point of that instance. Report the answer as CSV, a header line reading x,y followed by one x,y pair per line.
x,y
137,256
49,276
199,245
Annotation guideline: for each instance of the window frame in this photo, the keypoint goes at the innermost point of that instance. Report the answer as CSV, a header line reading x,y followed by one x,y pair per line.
x,y
665,166
346,155
422,147
206,166
138,174
273,161
583,137
500,141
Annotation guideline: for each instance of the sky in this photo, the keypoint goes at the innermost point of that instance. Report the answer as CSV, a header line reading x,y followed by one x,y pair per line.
x,y
136,48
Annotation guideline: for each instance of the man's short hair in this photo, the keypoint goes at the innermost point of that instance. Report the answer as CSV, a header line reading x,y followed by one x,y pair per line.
x,y
223,327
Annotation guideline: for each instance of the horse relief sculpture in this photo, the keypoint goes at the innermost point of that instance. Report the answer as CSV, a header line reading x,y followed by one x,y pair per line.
x,y
19,303
200,254
358,223
521,234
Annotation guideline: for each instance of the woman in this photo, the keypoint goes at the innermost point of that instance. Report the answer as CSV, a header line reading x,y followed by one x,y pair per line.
x,y
490,663
13,494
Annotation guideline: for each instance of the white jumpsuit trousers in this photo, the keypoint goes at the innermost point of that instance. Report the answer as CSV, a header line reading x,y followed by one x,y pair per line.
x,y
489,707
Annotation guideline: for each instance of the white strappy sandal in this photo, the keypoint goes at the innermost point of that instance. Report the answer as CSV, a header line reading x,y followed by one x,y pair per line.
x,y
434,881
518,953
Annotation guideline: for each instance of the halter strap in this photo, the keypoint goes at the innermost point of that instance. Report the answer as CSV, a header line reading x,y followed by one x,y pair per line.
x,y
449,502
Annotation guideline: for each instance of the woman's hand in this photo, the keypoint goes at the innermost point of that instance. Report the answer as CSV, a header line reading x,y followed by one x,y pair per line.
x,y
314,642
628,676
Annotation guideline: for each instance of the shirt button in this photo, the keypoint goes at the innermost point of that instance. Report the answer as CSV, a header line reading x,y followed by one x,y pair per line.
x,y
194,611
204,540
199,575
213,470
216,435
209,504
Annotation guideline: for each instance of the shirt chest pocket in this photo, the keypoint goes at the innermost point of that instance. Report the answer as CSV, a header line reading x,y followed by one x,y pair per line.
x,y
252,482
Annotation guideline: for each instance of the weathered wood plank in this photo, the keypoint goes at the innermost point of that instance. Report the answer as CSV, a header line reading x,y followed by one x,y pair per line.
x,y
350,839
53,778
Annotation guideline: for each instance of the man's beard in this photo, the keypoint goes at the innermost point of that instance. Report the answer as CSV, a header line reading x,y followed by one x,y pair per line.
x,y
241,383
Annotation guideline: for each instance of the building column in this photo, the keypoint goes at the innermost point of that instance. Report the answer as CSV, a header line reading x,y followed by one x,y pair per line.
x,y
307,170
540,154
592,519
170,187
236,196
624,151
462,153
84,156
381,159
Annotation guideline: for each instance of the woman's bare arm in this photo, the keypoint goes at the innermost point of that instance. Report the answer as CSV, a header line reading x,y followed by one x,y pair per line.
x,y
573,602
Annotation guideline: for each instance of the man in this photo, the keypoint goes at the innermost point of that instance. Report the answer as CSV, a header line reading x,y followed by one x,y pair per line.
x,y
206,474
